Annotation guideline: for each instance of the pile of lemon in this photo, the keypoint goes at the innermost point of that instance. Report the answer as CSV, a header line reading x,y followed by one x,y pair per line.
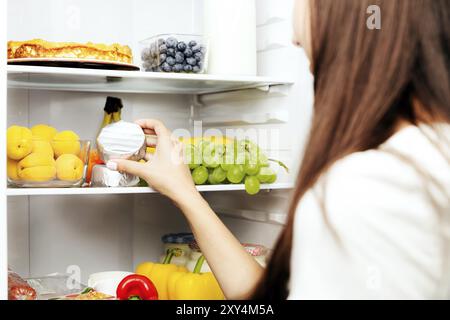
x,y
42,154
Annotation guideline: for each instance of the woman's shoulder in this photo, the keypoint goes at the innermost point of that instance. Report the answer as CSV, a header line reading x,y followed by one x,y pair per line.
x,y
384,206
407,176
409,157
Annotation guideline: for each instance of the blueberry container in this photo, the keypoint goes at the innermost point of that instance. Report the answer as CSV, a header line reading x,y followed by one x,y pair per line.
x,y
178,53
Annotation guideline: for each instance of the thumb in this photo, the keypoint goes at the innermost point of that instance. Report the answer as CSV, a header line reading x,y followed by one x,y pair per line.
x,y
132,167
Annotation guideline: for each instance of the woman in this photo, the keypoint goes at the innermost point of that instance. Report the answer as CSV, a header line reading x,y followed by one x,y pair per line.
x,y
370,215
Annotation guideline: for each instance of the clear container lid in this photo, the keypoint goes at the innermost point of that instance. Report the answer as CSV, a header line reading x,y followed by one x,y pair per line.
x,y
121,140
178,238
254,250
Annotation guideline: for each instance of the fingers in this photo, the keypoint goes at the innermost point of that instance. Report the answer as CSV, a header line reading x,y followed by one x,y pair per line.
x,y
151,140
178,152
132,167
151,126
149,156
178,148
155,127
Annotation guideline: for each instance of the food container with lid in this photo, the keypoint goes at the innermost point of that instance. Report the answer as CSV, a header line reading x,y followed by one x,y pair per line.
x,y
118,140
193,258
104,177
179,53
57,163
121,140
54,285
107,282
178,241
258,252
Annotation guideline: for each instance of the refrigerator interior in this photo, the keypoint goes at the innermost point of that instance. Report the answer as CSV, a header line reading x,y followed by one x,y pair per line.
x,y
50,233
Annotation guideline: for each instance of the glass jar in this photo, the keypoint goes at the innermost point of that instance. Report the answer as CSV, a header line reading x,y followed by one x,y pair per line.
x,y
195,255
178,241
259,252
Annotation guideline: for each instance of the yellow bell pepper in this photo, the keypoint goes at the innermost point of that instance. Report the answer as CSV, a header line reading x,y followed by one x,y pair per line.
x,y
194,285
159,273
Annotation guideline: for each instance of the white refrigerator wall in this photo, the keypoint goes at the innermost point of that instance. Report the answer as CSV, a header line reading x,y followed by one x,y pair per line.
x,y
49,234
115,232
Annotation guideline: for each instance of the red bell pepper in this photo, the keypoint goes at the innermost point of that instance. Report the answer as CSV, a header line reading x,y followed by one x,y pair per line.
x,y
136,287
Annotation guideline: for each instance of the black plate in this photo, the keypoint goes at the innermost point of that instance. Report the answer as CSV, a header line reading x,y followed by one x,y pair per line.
x,y
106,65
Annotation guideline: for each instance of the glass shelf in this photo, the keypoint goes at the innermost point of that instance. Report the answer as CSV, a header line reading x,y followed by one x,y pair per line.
x,y
92,80
135,190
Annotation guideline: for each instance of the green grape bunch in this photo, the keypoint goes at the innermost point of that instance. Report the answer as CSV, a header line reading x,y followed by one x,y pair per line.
x,y
237,162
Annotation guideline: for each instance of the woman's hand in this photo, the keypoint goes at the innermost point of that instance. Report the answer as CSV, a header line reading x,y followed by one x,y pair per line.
x,y
166,171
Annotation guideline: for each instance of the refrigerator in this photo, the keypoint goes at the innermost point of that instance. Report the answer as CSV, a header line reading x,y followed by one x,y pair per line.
x,y
89,230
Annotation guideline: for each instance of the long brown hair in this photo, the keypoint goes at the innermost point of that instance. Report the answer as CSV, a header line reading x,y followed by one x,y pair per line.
x,y
365,82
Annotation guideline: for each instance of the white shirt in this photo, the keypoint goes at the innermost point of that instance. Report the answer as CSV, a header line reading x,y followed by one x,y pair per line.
x,y
385,232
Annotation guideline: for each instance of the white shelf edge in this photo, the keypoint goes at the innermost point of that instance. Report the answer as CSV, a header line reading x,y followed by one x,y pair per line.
x,y
135,190
143,75
278,218
136,81
246,118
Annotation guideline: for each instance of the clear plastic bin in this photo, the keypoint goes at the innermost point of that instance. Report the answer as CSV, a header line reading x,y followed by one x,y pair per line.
x,y
54,164
179,53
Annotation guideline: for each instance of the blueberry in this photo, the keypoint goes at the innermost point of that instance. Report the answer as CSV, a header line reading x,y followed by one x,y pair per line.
x,y
179,57
171,61
171,42
166,67
191,61
181,46
188,53
188,68
162,57
178,68
171,52
196,48
192,43
162,48
196,69
161,42
198,56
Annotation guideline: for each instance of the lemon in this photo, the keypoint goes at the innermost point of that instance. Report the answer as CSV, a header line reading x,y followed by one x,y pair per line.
x,y
69,167
37,167
11,166
18,142
42,146
43,132
66,142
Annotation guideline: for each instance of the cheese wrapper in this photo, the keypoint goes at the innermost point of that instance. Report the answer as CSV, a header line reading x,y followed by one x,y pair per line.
x,y
121,140
104,177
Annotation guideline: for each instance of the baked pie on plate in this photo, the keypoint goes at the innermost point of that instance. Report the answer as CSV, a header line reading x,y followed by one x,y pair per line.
x,y
70,54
